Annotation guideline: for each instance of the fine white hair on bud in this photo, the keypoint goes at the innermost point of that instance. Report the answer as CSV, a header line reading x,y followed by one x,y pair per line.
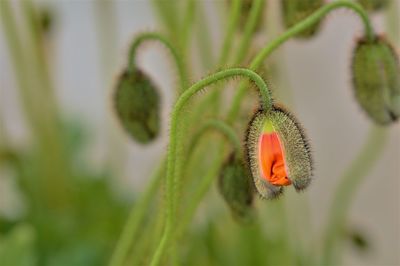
x,y
278,152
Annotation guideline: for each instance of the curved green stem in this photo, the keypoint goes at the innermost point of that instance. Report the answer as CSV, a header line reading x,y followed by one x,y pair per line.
x,y
293,31
154,36
221,127
135,217
350,181
174,149
251,24
234,15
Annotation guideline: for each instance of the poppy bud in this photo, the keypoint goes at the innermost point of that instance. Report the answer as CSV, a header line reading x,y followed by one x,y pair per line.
x,y
278,152
373,5
138,105
376,80
236,188
296,10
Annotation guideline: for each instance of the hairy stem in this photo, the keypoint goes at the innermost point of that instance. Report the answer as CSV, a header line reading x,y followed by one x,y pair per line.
x,y
293,31
153,36
131,227
352,178
173,155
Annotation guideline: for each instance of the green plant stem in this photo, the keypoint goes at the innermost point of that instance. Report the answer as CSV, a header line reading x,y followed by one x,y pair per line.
x,y
135,218
250,27
188,22
352,178
199,195
174,156
204,41
233,20
167,11
219,126
245,40
293,31
154,36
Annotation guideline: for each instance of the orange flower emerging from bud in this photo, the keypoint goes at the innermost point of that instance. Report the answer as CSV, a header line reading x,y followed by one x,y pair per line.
x,y
272,161
278,153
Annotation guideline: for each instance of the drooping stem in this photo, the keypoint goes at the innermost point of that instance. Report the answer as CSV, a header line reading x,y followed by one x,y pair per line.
x,y
174,149
352,178
293,31
135,218
153,36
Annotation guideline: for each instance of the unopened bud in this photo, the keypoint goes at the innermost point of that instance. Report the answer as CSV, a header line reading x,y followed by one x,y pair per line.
x,y
236,187
278,152
138,106
376,80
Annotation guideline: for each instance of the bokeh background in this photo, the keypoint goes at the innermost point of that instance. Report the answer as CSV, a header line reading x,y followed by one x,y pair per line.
x,y
87,47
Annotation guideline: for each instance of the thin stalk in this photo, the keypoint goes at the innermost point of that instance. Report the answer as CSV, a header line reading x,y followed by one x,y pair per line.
x,y
204,42
245,40
352,178
188,22
250,27
233,20
218,126
293,31
167,11
173,156
198,195
131,227
154,36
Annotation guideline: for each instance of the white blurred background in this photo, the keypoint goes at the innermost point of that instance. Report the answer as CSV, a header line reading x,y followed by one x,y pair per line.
x,y
316,70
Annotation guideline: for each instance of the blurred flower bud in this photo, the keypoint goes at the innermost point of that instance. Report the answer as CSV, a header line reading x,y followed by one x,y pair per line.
x,y
237,189
138,105
376,80
296,10
373,5
278,152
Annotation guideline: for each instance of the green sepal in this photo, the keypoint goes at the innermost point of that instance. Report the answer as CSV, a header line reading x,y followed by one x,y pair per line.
x,y
137,103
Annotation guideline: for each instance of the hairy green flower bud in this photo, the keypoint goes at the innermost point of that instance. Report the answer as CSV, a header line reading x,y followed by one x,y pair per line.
x,y
296,10
278,152
376,80
373,5
237,189
137,103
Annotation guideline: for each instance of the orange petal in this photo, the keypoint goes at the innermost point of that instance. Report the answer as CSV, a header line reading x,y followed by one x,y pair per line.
x,y
272,162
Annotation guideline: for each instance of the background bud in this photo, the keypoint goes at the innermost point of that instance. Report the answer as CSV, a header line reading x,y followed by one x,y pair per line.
x,y
373,5
236,188
295,150
138,105
376,80
297,10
